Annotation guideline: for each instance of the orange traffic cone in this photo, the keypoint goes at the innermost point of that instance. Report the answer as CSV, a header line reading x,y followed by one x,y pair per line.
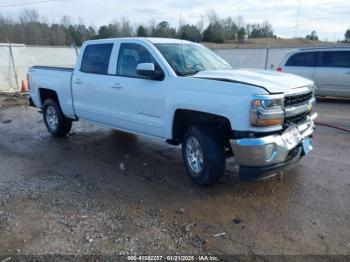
x,y
25,88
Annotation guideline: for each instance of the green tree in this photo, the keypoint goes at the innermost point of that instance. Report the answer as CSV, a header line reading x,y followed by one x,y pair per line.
x,y
313,36
189,32
347,36
107,31
214,33
163,29
257,30
230,28
241,34
141,31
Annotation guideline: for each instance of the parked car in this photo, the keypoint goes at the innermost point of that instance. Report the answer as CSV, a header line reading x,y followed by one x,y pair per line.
x,y
329,68
183,93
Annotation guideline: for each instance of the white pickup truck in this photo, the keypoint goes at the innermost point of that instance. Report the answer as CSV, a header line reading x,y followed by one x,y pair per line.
x,y
183,93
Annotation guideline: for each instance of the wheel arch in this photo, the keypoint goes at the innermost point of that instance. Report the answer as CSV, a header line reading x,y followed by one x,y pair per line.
x,y
45,93
183,118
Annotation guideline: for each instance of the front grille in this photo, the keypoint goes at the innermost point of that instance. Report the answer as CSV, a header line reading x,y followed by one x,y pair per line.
x,y
295,120
297,99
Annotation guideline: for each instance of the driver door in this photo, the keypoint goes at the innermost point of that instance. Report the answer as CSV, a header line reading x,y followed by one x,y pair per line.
x,y
137,103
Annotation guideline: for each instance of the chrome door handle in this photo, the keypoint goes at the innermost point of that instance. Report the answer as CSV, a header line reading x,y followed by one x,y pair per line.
x,y
116,85
78,81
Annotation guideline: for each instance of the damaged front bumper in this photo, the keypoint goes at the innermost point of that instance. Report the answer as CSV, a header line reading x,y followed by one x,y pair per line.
x,y
260,158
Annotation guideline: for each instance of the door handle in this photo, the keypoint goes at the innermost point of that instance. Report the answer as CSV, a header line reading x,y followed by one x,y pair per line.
x,y
116,85
78,81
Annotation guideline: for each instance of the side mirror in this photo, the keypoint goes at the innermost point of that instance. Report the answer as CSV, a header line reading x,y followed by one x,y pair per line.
x,y
146,69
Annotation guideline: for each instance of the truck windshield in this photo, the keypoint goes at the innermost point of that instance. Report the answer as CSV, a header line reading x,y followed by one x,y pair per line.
x,y
189,59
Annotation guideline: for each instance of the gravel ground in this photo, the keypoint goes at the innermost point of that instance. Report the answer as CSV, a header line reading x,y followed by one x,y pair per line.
x,y
103,192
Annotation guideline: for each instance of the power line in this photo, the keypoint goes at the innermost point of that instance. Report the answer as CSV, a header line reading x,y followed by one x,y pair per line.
x,y
28,3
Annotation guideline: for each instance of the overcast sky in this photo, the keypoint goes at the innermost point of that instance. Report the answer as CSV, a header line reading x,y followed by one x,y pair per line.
x,y
330,18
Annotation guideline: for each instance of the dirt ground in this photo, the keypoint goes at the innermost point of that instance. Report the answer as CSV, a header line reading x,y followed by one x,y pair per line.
x,y
103,192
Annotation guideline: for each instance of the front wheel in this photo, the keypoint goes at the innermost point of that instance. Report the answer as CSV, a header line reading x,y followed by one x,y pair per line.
x,y
55,121
204,155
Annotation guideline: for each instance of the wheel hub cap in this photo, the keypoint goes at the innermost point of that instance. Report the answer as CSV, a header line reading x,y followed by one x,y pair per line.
x,y
52,118
194,154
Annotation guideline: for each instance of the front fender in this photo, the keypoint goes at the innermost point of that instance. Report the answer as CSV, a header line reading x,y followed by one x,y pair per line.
x,y
229,100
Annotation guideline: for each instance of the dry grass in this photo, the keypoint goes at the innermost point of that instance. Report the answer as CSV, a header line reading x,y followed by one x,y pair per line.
x,y
12,99
272,42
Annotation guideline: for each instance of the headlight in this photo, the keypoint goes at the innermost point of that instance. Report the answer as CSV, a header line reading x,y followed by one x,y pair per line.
x,y
267,111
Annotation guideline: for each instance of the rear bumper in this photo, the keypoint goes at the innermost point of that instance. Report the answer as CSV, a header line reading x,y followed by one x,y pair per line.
x,y
263,157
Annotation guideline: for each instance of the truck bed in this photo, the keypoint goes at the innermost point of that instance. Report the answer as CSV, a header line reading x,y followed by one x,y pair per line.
x,y
57,79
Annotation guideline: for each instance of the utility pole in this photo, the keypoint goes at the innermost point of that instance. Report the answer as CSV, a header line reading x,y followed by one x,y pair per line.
x,y
267,54
297,20
13,63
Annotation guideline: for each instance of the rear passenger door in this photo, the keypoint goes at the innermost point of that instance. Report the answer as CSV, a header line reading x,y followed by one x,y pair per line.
x,y
333,74
302,64
90,84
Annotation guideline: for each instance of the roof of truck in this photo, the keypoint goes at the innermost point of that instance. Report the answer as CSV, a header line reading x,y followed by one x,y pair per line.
x,y
157,40
154,40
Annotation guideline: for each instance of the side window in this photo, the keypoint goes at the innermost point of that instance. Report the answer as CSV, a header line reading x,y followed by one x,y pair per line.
x,y
130,55
96,59
302,59
336,59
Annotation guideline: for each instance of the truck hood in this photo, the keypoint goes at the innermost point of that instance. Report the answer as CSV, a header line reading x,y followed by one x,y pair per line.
x,y
272,81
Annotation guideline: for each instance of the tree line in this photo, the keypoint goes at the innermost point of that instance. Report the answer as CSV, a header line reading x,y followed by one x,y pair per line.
x,y
28,28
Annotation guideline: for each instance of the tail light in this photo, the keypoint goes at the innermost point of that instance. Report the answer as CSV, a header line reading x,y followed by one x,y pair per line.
x,y
279,69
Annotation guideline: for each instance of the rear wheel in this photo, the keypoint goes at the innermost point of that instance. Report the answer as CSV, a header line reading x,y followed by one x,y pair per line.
x,y
55,121
204,155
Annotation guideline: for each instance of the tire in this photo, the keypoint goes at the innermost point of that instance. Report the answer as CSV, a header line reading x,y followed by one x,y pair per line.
x,y
211,151
55,121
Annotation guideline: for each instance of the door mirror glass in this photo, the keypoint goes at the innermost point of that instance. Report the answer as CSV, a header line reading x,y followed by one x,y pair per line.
x,y
146,69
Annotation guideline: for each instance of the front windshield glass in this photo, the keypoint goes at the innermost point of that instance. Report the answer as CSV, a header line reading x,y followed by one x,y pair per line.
x,y
189,59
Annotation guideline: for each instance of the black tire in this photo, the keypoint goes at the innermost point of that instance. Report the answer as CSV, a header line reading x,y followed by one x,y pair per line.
x,y
64,124
213,155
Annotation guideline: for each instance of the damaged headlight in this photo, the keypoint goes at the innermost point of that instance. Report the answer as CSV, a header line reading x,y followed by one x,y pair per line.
x,y
267,111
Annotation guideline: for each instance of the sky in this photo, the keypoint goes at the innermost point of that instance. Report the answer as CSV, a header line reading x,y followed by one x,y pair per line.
x,y
328,18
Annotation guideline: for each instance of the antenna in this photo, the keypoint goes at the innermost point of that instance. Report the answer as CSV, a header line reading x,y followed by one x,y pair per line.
x,y
180,24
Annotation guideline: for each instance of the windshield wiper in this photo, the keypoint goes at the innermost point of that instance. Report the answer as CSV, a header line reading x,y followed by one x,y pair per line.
x,y
190,73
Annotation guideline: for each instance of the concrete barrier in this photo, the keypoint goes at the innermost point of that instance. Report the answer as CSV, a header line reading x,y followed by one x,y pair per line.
x,y
253,58
27,56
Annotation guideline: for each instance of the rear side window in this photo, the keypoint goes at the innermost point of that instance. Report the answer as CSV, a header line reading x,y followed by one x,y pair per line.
x,y
336,59
302,59
96,59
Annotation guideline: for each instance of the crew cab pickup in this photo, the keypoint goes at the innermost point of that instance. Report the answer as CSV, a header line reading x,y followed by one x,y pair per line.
x,y
182,93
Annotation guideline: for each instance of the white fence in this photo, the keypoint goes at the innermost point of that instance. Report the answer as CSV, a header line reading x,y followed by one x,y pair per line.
x,y
14,67
24,57
260,58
